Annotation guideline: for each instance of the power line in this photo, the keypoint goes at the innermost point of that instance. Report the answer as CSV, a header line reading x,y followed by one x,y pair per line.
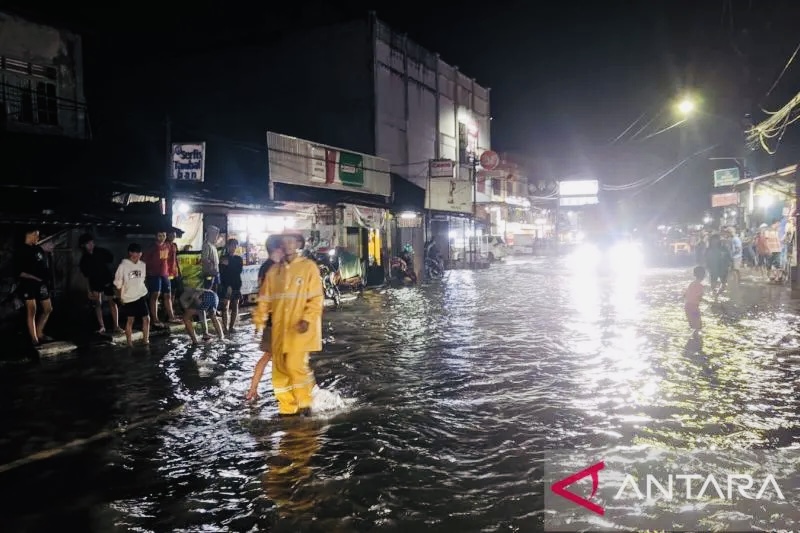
x,y
676,167
626,130
785,68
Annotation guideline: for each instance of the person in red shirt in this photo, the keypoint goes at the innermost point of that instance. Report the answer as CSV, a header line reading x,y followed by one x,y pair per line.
x,y
158,283
692,298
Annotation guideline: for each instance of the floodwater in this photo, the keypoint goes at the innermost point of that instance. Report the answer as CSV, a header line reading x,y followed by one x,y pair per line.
x,y
438,404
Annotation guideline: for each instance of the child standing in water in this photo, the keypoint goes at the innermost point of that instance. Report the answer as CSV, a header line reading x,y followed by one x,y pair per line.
x,y
692,298
130,284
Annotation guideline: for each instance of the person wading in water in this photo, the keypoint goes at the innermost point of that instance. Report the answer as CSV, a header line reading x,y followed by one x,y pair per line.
x,y
292,296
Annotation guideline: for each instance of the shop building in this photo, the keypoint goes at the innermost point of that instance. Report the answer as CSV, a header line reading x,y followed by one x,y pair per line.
x,y
344,195
503,195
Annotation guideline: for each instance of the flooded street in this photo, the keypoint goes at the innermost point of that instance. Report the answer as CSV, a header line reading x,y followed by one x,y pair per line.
x,y
452,391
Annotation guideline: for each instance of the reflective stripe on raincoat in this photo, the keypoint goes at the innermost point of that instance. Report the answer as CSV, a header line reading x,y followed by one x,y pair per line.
x,y
292,292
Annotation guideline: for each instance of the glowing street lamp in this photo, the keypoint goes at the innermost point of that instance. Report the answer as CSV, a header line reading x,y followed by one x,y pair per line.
x,y
686,107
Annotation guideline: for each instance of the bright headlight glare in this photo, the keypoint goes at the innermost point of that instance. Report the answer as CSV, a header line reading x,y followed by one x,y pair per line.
x,y
586,255
625,255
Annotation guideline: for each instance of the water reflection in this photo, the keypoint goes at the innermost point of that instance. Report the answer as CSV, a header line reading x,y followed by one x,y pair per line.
x,y
288,481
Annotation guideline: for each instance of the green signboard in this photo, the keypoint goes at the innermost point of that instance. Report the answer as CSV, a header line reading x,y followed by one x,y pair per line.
x,y
726,177
351,169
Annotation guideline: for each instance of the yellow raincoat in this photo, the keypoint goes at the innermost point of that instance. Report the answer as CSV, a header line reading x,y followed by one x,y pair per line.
x,y
292,292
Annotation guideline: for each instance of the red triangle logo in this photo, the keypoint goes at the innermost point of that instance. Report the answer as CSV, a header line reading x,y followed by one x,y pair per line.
x,y
559,487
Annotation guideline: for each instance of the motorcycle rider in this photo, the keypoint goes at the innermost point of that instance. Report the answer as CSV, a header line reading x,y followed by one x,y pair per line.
x,y
407,263
432,255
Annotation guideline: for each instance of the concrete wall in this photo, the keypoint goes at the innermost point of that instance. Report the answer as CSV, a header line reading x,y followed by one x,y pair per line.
x,y
420,101
41,79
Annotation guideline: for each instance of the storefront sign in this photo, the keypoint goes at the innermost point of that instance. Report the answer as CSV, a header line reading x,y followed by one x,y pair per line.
x,y
577,201
450,195
342,168
490,160
299,162
188,161
441,168
578,188
724,199
726,177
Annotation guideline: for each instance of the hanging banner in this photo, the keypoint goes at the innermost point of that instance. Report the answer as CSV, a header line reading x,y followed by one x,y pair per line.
x,y
188,161
368,217
192,226
726,177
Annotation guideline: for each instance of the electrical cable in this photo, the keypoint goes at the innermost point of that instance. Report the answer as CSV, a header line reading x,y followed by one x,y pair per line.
x,y
673,169
785,68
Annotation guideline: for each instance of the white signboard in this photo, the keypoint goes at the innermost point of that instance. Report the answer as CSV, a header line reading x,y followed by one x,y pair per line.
x,y
450,195
188,161
576,201
578,188
441,168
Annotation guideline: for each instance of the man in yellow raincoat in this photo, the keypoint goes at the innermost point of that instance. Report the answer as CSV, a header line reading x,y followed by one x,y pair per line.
x,y
292,296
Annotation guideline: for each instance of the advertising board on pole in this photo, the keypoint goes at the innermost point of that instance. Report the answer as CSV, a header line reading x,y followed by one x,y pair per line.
x,y
188,161
725,177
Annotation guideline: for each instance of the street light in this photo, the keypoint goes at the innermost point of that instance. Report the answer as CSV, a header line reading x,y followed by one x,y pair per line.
x,y
686,107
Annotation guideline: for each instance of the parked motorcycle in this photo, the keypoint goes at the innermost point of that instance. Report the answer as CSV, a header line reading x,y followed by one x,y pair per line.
x,y
433,268
328,267
329,287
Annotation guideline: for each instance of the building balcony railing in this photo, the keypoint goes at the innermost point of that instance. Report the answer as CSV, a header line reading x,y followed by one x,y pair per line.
x,y
33,106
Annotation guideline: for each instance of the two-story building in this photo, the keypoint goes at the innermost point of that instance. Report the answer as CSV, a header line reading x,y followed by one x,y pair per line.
x,y
47,180
357,86
41,79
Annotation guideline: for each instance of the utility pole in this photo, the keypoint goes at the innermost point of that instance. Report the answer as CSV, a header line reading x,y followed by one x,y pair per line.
x,y
557,226
473,244
795,272
168,172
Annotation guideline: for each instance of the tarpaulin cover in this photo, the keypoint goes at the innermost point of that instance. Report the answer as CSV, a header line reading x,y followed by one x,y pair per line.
x,y
349,264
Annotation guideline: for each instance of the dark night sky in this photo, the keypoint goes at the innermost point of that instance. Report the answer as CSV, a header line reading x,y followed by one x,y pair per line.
x,y
566,78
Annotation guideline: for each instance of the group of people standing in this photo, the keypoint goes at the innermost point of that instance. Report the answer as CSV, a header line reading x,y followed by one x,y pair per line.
x,y
767,248
133,288
288,317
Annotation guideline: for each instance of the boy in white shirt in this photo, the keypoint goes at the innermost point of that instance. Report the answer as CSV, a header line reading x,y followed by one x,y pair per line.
x,y
130,284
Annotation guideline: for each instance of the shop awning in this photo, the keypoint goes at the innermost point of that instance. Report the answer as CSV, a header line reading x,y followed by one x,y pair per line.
x,y
227,197
319,195
406,196
139,223
780,181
